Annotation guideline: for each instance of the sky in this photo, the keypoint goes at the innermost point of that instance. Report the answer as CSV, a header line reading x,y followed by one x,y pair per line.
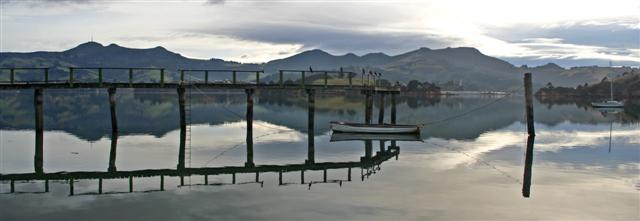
x,y
569,33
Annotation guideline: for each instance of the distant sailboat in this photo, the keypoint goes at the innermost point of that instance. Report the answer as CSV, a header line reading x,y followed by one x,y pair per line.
x,y
610,103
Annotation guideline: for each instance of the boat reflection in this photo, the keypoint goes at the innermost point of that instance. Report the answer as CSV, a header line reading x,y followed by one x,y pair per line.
x,y
335,137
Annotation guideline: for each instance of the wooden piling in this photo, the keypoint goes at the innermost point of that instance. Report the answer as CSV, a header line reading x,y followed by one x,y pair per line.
x,y
381,111
130,77
100,77
114,129
349,174
12,186
162,77
393,108
302,176
324,175
249,119
529,103
257,177
12,75
130,184
183,127
46,75
70,77
99,185
46,186
71,187
280,178
280,79
526,185
206,179
367,107
302,83
39,126
206,77
233,77
161,182
326,79
233,178
311,126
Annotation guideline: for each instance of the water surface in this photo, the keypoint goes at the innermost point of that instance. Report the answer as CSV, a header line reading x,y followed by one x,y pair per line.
x,y
586,163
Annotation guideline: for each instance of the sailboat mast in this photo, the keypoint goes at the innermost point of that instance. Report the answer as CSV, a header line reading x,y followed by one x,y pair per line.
x,y
611,88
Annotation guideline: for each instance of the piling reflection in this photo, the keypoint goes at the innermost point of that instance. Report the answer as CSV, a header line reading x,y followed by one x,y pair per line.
x,y
368,164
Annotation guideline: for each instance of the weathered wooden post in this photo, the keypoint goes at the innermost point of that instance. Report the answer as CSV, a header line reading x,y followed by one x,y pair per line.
x,y
46,186
71,77
233,77
181,77
161,182
257,176
206,179
233,178
280,177
324,175
368,106
114,129
12,75
326,79
349,174
381,112
162,77
130,184
99,185
46,75
38,157
280,79
12,187
302,84
526,185
529,103
130,77
249,119
257,77
311,126
302,176
393,108
206,76
183,127
71,187
100,77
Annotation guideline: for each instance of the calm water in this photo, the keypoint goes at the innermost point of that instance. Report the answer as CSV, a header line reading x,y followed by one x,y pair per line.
x,y
586,164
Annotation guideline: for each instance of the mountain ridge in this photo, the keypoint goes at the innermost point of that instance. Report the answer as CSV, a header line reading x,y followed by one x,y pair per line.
x,y
467,65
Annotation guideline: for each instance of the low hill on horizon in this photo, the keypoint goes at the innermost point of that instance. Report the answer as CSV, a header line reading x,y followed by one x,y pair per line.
x,y
464,65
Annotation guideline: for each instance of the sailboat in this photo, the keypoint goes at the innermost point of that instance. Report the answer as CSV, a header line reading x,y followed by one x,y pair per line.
x,y
610,103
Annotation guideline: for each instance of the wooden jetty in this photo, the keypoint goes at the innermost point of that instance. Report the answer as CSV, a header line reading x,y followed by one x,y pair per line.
x,y
368,89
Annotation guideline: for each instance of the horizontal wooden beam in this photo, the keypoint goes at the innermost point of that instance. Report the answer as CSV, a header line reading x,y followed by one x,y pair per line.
x,y
294,86
376,160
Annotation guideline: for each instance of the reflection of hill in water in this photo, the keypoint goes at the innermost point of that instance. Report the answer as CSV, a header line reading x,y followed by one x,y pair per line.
x,y
86,114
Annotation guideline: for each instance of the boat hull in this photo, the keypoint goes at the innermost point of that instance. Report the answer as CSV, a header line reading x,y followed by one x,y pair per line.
x,y
374,128
608,105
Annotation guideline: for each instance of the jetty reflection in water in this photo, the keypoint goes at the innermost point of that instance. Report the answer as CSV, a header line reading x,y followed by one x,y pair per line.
x,y
478,162
367,164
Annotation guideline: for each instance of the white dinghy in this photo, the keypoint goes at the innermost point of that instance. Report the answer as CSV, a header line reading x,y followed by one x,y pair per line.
x,y
374,128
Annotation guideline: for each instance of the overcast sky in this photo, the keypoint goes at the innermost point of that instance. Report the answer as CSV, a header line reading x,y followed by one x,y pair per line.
x,y
570,33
